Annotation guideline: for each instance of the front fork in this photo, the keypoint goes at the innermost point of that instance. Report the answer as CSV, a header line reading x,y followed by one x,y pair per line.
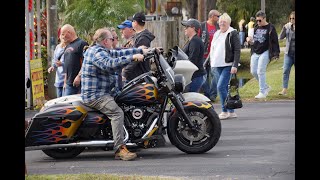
x,y
175,99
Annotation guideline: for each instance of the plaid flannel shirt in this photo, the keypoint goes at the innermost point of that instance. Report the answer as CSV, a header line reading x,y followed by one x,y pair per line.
x,y
99,71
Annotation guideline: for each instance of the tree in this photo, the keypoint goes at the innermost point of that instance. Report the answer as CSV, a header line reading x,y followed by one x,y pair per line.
x,y
210,4
192,8
89,15
277,11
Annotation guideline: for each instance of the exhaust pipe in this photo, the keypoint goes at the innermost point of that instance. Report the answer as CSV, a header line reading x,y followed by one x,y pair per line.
x,y
77,144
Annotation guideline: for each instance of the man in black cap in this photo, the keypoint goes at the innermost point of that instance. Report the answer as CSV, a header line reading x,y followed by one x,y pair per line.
x,y
194,48
143,37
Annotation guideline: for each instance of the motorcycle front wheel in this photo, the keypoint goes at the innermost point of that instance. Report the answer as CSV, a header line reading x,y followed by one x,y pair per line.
x,y
191,141
64,153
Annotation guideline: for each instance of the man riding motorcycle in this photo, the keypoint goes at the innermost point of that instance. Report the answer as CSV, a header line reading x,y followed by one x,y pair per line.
x,y
99,83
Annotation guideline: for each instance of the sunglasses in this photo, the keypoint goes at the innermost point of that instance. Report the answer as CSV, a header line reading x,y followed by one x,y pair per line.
x,y
258,20
217,16
110,39
291,18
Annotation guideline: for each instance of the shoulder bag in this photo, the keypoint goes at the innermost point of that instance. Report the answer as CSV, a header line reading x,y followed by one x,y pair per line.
x,y
233,102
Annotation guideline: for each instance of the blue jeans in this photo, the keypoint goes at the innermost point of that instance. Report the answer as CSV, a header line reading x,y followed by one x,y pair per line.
x,y
70,90
242,36
210,85
258,67
196,83
59,91
288,62
223,81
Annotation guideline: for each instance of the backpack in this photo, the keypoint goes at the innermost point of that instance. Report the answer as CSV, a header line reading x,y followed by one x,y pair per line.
x,y
204,36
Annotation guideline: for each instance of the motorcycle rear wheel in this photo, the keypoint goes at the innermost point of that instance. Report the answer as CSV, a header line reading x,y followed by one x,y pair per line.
x,y
64,153
192,142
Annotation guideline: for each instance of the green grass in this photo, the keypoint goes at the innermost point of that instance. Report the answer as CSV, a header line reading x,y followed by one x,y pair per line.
x,y
273,77
282,43
95,177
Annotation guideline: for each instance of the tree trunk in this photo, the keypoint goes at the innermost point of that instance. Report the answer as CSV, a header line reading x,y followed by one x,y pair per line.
x,y
202,10
192,8
210,4
293,2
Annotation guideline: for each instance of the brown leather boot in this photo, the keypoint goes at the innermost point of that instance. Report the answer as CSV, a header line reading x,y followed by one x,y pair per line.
x,y
124,154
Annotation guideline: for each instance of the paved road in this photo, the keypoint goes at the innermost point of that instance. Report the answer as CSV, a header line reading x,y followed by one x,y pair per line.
x,y
259,144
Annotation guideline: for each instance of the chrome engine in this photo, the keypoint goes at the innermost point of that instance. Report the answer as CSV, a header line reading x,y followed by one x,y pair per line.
x,y
138,119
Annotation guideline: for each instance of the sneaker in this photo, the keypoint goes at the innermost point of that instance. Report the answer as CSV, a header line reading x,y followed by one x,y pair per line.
x,y
233,115
260,96
124,154
223,115
283,92
267,91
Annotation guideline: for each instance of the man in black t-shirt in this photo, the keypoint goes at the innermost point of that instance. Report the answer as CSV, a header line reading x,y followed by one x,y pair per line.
x,y
265,47
73,56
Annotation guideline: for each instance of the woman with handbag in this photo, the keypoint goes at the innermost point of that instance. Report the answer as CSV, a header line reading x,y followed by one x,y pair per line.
x,y
225,56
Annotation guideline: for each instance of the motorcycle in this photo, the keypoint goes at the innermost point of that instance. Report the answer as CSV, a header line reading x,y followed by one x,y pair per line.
x,y
153,103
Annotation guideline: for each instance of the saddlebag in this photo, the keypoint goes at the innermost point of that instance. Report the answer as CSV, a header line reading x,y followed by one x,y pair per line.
x,y
55,125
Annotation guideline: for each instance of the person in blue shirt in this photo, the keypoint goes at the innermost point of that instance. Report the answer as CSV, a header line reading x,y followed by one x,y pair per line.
x,y
99,83
57,65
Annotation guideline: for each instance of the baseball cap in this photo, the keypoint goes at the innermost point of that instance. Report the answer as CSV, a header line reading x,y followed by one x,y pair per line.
x,y
125,24
191,22
139,17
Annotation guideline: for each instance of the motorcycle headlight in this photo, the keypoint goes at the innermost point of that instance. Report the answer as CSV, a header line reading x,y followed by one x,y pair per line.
x,y
179,83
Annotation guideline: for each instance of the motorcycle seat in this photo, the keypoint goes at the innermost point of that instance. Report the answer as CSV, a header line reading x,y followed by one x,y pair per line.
x,y
87,108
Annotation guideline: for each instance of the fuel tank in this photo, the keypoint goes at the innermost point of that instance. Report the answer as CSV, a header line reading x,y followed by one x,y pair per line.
x,y
140,91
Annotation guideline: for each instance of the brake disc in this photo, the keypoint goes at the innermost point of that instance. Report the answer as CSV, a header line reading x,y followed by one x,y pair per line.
x,y
192,135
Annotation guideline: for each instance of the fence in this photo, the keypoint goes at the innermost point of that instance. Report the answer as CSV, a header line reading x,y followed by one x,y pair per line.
x,y
168,33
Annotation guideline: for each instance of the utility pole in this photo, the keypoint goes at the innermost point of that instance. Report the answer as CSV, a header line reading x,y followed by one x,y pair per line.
x,y
38,29
52,33
263,5
28,92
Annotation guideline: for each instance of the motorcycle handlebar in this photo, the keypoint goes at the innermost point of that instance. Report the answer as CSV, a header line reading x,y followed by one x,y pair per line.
x,y
149,54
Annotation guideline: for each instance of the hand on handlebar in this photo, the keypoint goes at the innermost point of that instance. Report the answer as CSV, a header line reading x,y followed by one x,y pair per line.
x,y
146,51
138,57
142,47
